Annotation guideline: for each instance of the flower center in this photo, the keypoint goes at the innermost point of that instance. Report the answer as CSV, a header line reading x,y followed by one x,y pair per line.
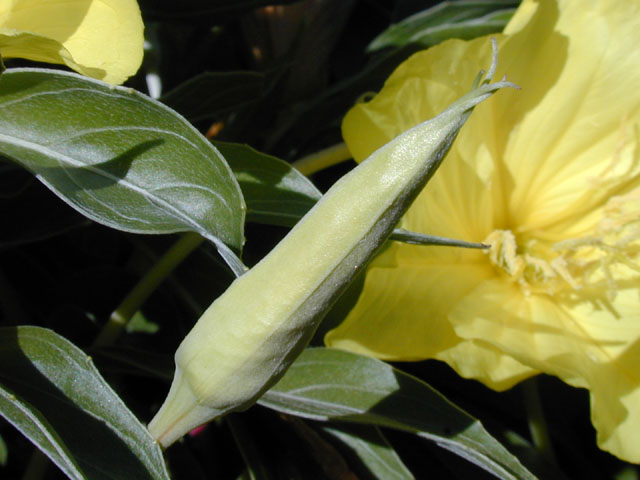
x,y
600,262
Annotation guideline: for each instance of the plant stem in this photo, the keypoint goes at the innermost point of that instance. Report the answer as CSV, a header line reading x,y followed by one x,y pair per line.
x,y
323,159
37,467
145,287
537,424
255,467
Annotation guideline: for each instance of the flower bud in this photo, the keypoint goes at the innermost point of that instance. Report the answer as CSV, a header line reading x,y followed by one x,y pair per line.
x,y
250,335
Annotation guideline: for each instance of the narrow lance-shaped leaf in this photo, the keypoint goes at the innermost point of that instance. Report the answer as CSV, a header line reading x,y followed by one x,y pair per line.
x,y
369,447
214,93
449,19
52,393
327,384
119,157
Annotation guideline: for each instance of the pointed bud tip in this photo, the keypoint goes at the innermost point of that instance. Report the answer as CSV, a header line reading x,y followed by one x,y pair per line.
x,y
179,414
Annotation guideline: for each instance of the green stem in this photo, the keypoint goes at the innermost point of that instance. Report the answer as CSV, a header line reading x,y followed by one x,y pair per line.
x,y
537,424
323,159
145,287
37,467
243,440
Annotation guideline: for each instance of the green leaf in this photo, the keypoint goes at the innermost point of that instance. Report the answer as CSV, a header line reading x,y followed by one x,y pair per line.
x,y
52,393
372,450
119,157
131,361
319,32
210,94
275,192
327,384
327,108
464,19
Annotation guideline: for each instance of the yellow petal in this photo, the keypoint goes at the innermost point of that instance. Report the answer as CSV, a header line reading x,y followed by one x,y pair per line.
x,y
573,132
490,365
402,315
468,182
521,17
400,324
417,90
614,406
99,38
532,329
613,376
585,340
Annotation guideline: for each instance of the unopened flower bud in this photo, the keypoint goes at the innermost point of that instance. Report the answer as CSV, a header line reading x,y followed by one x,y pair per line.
x,y
249,336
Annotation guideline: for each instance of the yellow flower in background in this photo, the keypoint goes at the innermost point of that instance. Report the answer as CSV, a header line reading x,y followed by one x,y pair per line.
x,y
99,38
550,177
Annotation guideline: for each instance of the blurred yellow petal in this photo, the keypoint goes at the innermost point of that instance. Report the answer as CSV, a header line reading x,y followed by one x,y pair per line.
x,y
99,38
519,20
550,177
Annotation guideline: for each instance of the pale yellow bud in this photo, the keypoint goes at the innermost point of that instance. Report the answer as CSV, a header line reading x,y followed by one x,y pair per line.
x,y
251,334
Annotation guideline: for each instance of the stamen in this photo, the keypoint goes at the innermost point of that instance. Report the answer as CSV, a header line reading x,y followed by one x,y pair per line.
x,y
615,242
589,263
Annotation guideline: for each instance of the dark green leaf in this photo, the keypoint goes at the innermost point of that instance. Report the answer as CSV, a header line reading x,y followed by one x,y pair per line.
x,y
275,193
52,393
132,361
326,109
533,458
210,94
118,157
372,450
464,19
28,207
322,27
327,384
246,443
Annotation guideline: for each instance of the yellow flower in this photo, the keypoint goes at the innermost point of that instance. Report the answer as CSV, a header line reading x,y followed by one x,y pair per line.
x,y
550,177
99,38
